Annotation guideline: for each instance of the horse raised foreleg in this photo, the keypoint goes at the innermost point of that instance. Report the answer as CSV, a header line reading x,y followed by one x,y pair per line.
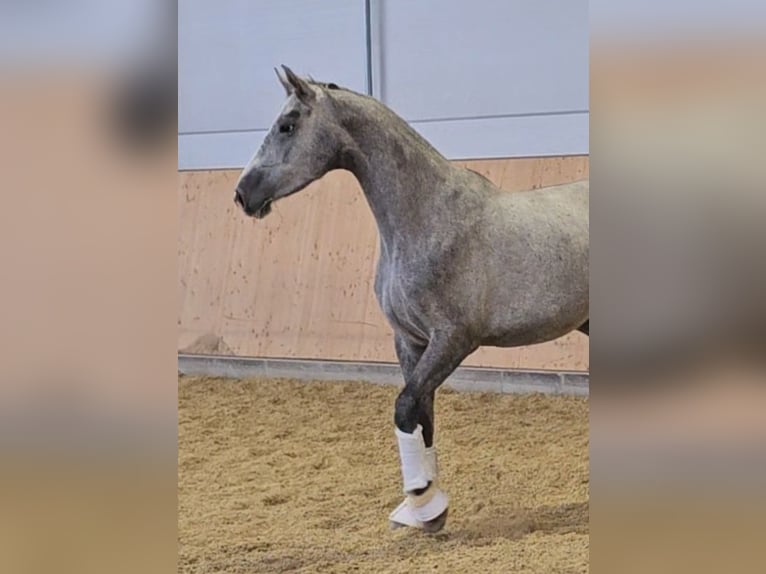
x,y
426,504
409,355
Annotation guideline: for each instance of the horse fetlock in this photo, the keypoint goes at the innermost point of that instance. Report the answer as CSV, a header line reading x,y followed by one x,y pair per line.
x,y
406,413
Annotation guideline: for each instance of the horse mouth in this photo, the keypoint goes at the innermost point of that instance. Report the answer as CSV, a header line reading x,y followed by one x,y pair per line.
x,y
264,209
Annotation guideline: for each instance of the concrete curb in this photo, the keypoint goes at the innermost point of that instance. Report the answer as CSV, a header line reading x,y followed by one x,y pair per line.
x,y
464,379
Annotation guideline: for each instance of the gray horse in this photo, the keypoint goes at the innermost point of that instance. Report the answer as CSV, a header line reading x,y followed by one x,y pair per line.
x,y
462,263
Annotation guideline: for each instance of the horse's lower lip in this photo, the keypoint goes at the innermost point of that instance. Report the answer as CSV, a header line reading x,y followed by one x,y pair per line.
x,y
263,210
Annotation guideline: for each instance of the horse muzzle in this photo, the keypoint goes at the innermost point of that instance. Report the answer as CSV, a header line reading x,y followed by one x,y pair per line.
x,y
258,210
253,193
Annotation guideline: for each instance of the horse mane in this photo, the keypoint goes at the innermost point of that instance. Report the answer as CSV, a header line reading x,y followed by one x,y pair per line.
x,y
325,85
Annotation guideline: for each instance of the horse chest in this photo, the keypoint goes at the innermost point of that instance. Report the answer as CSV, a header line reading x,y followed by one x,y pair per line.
x,y
400,304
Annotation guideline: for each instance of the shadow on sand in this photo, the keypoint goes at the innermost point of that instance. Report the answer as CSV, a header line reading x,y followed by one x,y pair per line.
x,y
515,523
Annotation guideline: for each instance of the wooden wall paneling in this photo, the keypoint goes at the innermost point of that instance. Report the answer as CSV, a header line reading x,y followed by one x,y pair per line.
x,y
300,282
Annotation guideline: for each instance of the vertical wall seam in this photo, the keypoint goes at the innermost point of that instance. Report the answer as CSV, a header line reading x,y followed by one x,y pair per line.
x,y
368,43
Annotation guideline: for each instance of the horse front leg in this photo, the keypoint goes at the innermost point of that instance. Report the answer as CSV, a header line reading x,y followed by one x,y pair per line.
x,y
425,505
409,355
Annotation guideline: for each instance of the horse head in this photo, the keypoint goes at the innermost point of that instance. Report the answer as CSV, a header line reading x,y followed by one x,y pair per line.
x,y
303,144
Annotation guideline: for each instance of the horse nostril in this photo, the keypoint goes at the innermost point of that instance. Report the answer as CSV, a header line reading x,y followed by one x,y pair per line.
x,y
239,197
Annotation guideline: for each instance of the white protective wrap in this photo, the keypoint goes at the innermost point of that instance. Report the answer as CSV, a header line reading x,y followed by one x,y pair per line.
x,y
415,510
420,466
404,516
416,469
432,463
433,508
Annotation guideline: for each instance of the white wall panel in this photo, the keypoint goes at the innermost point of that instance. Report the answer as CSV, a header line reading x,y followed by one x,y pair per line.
x,y
479,79
457,59
227,52
524,136
486,78
224,150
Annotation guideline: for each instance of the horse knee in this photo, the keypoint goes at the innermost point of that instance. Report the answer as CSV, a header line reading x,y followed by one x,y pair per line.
x,y
406,413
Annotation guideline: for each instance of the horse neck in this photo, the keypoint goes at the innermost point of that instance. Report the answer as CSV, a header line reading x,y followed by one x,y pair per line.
x,y
403,177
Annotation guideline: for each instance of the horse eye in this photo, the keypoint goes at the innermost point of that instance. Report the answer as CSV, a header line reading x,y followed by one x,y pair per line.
x,y
287,128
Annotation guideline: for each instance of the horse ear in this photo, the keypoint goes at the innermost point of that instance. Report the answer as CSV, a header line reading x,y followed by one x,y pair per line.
x,y
288,88
301,87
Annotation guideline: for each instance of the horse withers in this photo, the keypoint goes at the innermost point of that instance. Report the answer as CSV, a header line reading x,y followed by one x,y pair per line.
x,y
462,263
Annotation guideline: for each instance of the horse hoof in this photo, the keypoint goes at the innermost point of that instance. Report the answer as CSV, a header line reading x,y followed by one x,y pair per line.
x,y
435,525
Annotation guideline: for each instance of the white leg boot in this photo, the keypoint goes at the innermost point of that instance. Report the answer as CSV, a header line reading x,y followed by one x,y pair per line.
x,y
419,467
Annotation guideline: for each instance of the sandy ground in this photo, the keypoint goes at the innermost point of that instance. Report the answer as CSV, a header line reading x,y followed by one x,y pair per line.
x,y
287,476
